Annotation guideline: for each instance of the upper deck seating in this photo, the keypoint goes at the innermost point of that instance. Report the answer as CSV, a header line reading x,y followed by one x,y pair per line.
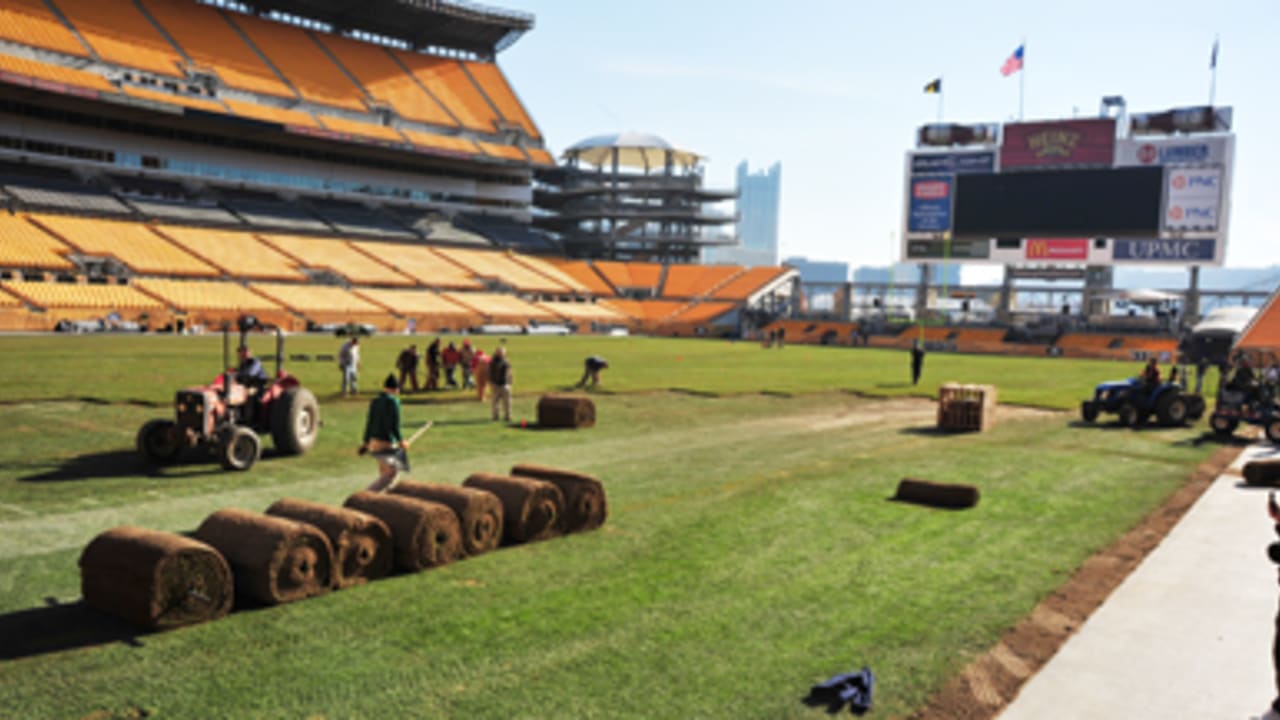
x,y
448,82
31,22
122,35
37,70
337,257
213,44
199,102
272,114
292,51
23,245
448,143
131,243
385,80
494,84
236,253
361,129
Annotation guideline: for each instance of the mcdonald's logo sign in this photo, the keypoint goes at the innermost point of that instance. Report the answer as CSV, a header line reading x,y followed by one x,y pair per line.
x,y
1052,249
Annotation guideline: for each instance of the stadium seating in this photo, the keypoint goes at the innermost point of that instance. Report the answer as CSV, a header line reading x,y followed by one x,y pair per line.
x,y
501,309
184,99
385,80
211,303
429,310
540,156
494,84
237,254
31,22
699,316
337,257
266,212
498,267
54,73
23,245
584,313
292,52
119,33
361,129
693,281
441,142
741,287
422,264
66,196
549,270
271,114
100,299
131,243
356,219
646,315
813,332
182,211
327,304
581,271
630,276
506,152
449,83
213,44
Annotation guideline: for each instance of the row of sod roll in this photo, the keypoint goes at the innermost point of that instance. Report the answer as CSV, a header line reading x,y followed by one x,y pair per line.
x,y
299,548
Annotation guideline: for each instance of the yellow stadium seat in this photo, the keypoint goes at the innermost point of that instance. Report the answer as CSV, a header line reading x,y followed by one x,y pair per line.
x,y
121,34
742,286
585,274
386,81
131,243
74,295
30,22
421,264
441,142
501,309
292,51
236,253
339,257
506,152
448,82
630,275
361,129
691,281
316,298
494,84
23,245
54,73
206,295
498,266
192,101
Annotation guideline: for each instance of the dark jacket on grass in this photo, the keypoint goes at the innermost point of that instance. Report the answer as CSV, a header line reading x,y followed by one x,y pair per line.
x,y
383,422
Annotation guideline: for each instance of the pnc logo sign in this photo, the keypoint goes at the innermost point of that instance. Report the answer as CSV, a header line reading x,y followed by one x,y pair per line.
x,y
1175,212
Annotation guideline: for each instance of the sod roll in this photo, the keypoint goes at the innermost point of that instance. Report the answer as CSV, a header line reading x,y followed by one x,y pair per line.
x,y
424,534
944,495
584,502
155,580
1262,472
361,542
531,508
479,512
275,560
566,411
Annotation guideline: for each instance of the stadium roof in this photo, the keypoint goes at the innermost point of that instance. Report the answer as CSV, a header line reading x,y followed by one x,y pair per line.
x,y
459,24
635,149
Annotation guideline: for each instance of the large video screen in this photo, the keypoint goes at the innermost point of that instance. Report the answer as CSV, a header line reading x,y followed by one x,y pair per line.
x,y
1114,202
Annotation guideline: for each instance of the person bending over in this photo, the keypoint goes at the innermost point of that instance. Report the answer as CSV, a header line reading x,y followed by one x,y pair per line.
x,y
382,437
591,368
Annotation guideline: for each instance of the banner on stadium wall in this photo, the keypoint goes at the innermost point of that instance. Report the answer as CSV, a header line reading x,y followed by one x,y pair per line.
x,y
1059,143
1055,249
1192,198
953,163
1175,251
1171,151
929,208
938,250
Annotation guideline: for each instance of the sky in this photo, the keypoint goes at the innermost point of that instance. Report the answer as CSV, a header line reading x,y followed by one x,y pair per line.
x,y
834,90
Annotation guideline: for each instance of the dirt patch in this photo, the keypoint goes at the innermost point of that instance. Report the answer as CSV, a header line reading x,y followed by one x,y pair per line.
x,y
993,680
911,411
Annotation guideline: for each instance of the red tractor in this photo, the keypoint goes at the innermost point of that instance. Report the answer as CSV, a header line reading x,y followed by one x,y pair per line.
x,y
228,416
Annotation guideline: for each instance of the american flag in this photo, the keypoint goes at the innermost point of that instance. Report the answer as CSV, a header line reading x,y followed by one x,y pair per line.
x,y
1013,64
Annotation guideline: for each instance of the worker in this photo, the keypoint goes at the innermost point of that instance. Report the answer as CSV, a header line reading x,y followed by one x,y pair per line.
x,y
1151,373
917,360
591,368
250,371
382,438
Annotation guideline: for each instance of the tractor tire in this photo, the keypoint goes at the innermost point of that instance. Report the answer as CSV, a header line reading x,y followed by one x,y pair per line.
x,y
238,449
1171,409
295,421
1195,407
1223,426
158,441
1129,416
1272,429
1088,411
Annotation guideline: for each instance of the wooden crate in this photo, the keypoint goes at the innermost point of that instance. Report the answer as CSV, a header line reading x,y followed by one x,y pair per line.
x,y
966,408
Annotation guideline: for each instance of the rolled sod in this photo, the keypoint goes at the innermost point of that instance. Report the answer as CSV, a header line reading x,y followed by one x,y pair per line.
x,y
479,513
944,495
1262,472
155,580
584,501
274,560
361,542
531,508
566,411
424,534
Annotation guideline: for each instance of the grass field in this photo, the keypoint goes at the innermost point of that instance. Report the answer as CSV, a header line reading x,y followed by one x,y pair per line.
x,y
749,553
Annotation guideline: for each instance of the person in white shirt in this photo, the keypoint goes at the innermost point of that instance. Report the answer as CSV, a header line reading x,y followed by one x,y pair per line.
x,y
349,363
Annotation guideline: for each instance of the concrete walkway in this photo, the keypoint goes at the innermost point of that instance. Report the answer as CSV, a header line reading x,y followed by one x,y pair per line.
x,y
1187,635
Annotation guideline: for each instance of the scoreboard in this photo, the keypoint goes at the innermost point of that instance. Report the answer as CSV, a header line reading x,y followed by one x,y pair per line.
x,y
1070,191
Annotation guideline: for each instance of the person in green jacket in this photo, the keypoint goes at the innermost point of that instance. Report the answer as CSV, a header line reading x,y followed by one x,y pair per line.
x,y
382,437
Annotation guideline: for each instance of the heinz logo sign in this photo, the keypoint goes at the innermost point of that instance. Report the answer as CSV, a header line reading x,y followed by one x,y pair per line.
x,y
931,190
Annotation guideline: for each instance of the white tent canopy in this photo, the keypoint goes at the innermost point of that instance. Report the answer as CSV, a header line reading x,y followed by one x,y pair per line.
x,y
634,149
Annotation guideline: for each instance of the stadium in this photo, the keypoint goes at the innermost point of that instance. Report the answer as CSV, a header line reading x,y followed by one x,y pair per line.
x,y
757,494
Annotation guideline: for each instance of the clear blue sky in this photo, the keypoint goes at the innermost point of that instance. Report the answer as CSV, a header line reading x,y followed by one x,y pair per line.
x,y
833,90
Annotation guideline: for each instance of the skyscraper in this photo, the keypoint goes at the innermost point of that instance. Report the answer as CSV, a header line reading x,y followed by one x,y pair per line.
x,y
758,195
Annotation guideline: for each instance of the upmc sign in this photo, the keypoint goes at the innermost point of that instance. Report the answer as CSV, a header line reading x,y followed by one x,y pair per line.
x,y
1063,143
1171,151
1164,250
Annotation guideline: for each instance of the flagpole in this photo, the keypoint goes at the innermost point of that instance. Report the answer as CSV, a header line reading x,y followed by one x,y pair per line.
x,y
1022,78
1213,71
940,88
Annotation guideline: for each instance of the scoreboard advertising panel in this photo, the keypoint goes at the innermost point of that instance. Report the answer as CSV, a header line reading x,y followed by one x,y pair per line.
x,y
1070,192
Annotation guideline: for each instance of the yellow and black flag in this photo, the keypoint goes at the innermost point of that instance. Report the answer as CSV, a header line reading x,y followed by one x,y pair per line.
x,y
933,88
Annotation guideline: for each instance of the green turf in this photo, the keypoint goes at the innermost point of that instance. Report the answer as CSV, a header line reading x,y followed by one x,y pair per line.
x,y
750,550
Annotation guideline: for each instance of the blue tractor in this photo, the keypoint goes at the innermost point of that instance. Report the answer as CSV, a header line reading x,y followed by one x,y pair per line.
x,y
1133,402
